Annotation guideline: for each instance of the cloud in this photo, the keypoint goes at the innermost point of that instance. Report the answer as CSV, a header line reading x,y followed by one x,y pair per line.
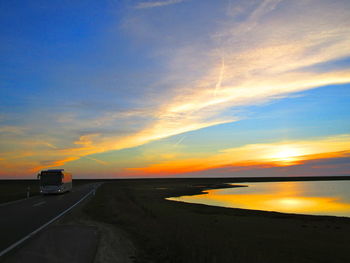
x,y
152,4
265,56
285,153
319,167
11,130
257,53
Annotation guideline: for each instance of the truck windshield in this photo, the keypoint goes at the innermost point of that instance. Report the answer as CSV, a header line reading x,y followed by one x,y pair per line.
x,y
51,178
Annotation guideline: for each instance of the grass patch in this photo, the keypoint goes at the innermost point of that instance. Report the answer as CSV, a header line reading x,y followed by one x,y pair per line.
x,y
11,190
168,231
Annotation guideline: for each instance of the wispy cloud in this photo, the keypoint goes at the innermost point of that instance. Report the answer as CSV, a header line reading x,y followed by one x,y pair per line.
x,y
152,4
283,153
253,55
265,57
12,130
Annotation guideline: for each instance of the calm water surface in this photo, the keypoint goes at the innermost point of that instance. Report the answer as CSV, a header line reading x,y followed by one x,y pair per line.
x,y
315,198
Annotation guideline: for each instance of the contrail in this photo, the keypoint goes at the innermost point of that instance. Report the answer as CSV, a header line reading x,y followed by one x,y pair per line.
x,y
221,76
96,160
50,145
180,140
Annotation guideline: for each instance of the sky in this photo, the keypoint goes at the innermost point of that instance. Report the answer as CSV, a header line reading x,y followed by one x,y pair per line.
x,y
175,88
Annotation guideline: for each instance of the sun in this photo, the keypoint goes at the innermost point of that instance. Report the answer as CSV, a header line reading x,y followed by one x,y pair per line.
x,y
285,155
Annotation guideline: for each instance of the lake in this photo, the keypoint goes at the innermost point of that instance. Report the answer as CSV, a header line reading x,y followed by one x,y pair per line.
x,y
313,198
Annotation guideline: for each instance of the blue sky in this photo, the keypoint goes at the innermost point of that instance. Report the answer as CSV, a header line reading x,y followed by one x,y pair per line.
x,y
117,85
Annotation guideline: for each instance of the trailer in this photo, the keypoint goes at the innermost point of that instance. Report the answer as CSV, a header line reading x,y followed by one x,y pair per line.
x,y
55,181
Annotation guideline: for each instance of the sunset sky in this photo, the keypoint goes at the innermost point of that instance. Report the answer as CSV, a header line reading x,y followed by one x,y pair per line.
x,y
175,88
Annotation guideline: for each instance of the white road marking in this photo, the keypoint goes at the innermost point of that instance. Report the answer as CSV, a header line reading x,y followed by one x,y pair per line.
x,y
40,203
43,226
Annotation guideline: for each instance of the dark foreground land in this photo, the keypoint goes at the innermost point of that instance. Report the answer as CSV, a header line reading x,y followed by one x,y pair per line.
x,y
137,224
13,190
168,231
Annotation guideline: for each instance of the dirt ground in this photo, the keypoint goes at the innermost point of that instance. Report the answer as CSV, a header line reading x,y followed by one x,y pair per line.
x,y
114,245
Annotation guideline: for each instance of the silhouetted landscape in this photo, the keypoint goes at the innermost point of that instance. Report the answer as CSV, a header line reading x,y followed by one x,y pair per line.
x,y
167,231
175,131
159,230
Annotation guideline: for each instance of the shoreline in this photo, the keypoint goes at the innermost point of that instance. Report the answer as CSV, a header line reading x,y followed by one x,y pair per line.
x,y
200,190
169,231
154,229
253,212
239,179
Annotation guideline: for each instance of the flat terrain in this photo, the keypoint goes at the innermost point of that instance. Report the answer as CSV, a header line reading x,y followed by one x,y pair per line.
x,y
168,231
12,190
135,223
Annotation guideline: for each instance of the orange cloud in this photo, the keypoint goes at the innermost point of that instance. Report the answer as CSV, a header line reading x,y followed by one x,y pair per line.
x,y
273,154
258,59
53,164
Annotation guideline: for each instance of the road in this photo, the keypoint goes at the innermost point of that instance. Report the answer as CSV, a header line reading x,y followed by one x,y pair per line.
x,y
19,219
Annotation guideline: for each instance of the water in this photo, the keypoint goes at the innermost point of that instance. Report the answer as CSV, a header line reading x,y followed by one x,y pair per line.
x,y
314,198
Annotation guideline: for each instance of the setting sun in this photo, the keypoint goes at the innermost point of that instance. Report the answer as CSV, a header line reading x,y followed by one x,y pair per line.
x,y
239,108
168,99
286,155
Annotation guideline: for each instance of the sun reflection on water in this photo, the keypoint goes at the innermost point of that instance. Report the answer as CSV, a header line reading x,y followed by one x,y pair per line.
x,y
290,197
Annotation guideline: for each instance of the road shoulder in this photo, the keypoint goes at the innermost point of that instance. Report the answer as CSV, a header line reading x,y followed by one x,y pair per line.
x,y
76,238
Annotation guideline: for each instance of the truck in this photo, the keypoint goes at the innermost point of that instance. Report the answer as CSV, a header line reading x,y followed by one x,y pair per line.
x,y
55,181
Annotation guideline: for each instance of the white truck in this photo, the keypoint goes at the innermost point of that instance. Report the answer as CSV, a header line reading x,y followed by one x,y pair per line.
x,y
55,181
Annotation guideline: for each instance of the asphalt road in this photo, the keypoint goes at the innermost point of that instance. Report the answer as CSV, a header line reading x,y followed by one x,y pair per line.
x,y
19,219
